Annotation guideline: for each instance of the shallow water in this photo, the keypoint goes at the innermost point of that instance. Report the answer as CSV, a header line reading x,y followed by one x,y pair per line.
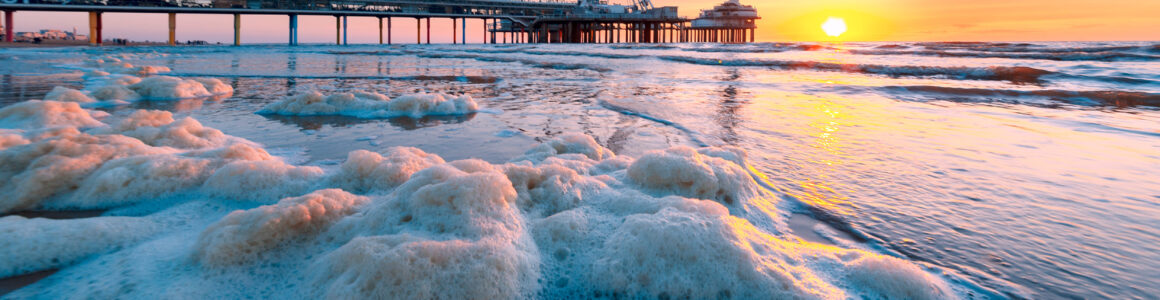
x,y
1028,169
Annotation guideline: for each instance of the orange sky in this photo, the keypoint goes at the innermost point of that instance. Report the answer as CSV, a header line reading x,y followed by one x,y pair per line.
x,y
783,20
930,20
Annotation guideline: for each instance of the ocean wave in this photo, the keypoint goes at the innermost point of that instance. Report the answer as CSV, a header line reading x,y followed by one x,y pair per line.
x,y
1043,55
1097,98
449,78
588,54
1024,47
1015,74
762,48
638,47
525,61
892,46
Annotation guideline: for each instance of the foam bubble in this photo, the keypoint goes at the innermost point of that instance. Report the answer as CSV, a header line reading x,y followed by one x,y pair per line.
x,y
61,93
569,143
709,173
371,105
365,171
35,114
244,235
260,180
167,87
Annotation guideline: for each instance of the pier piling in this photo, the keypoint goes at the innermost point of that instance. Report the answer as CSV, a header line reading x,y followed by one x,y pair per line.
x,y
94,28
8,32
172,29
293,30
237,28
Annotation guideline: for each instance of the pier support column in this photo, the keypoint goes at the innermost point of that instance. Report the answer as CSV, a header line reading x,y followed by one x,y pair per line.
x,y
345,21
380,30
388,30
753,35
463,25
172,29
454,31
418,31
293,30
94,28
337,30
428,31
237,29
8,26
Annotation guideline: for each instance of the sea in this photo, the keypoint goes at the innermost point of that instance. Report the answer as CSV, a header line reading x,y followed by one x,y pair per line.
x,y
972,170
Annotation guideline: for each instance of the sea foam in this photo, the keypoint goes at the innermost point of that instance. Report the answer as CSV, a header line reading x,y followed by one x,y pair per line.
x,y
371,105
568,219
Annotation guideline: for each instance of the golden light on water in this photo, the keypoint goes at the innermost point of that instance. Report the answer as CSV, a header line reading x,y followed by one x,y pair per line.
x,y
834,26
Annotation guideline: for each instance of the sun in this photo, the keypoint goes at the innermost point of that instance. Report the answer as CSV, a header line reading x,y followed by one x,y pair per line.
x,y
834,26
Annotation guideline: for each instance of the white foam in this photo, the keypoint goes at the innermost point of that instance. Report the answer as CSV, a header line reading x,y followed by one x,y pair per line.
x,y
168,87
364,171
39,244
34,114
695,173
61,93
103,89
452,223
575,143
244,235
261,180
568,219
371,105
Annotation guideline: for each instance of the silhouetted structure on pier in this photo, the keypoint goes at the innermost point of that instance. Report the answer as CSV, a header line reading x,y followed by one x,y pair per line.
x,y
729,22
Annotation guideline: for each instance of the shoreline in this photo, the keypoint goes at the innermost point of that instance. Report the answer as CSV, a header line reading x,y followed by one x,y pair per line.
x,y
72,43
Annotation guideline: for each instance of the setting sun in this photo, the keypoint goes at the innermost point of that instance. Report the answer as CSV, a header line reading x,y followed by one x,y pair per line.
x,y
834,26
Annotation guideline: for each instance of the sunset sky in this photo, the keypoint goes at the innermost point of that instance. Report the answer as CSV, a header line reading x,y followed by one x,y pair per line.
x,y
783,20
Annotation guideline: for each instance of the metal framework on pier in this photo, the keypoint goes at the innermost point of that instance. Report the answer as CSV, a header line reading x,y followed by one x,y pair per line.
x,y
516,21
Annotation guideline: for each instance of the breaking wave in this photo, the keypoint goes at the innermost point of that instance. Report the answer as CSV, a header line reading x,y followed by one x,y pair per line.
x,y
1052,55
1003,73
1097,98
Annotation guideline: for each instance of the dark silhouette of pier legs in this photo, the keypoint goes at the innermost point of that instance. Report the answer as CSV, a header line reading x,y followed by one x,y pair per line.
x,y
237,28
8,32
94,28
293,30
172,29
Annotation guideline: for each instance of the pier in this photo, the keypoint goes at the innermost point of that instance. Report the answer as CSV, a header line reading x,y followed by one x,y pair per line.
x,y
514,21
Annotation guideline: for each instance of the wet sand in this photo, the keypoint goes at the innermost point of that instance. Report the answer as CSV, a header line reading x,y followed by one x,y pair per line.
x,y
10,284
